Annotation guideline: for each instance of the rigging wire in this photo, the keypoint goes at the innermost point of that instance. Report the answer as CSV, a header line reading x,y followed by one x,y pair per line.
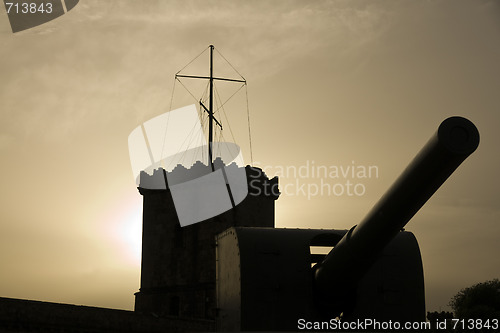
x,y
189,137
226,144
229,64
189,63
234,154
172,97
248,108
227,100
205,92
225,115
186,89
166,126
249,131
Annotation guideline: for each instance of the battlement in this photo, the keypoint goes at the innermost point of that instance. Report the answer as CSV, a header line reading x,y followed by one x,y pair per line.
x,y
160,179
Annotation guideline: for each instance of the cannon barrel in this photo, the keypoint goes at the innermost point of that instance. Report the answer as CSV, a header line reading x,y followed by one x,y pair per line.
x,y
336,277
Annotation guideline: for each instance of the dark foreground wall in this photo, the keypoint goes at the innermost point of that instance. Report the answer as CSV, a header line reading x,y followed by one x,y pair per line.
x,y
18,315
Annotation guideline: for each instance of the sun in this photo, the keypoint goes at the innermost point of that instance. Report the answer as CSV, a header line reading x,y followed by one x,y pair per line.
x,y
124,229
131,234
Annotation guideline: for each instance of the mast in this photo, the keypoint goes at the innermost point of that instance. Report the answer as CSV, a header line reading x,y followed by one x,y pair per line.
x,y
210,109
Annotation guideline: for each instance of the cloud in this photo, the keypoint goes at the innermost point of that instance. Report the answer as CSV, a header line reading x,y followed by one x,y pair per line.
x,y
104,60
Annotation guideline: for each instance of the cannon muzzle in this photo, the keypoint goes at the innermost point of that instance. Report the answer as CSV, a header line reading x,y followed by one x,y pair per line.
x,y
336,277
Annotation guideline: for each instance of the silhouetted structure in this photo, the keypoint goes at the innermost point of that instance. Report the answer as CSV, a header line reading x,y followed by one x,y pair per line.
x,y
237,272
178,276
248,278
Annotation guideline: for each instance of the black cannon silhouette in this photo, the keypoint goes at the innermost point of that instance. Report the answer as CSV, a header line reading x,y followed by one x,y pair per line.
x,y
267,279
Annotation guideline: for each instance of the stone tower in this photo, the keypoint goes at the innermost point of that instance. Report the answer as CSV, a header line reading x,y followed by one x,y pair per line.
x,y
178,269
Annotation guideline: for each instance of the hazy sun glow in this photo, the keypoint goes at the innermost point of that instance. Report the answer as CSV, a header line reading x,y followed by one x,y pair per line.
x,y
124,228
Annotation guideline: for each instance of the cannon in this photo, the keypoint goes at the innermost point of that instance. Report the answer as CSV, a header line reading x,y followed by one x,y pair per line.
x,y
268,279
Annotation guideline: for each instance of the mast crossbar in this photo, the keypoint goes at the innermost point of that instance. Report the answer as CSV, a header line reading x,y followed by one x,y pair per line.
x,y
208,78
215,119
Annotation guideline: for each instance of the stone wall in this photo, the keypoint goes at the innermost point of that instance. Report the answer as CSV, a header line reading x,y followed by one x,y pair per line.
x,y
18,315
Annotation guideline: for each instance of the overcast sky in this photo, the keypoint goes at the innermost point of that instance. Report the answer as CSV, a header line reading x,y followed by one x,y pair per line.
x,y
334,83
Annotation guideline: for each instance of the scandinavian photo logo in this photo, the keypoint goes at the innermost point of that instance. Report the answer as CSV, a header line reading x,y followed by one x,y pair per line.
x,y
311,180
170,152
